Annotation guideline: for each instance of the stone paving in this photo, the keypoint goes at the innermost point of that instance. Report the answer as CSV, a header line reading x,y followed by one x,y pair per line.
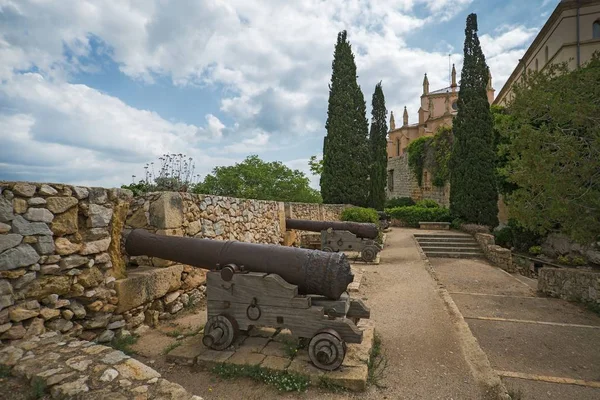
x,y
78,369
275,350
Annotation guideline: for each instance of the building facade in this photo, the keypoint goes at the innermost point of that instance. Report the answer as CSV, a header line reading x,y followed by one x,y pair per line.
x,y
437,109
571,35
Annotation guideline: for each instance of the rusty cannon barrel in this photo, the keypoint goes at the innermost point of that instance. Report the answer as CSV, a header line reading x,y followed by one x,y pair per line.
x,y
360,229
313,271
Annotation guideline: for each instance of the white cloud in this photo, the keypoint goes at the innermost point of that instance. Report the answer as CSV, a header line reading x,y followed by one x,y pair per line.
x,y
271,59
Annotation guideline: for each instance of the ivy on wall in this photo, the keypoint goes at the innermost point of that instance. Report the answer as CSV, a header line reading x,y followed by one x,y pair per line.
x,y
432,153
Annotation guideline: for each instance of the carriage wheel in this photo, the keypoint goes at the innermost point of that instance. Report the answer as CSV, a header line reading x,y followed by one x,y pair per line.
x,y
220,332
327,249
327,350
369,253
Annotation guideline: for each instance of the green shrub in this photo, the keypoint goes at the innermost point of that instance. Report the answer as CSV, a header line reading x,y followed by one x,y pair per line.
x,y
411,216
427,203
503,237
564,260
578,261
457,223
360,214
535,250
523,239
399,202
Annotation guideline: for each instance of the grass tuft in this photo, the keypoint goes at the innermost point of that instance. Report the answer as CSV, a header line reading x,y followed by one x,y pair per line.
x,y
4,371
283,381
124,343
170,347
377,363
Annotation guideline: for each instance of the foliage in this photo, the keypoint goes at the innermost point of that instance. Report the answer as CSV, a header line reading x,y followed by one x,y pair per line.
x,y
316,166
171,346
345,148
124,343
377,363
535,250
457,223
574,261
39,388
516,236
412,215
502,121
378,150
553,151
256,179
399,202
473,194
4,371
176,174
427,203
504,237
360,214
416,157
283,381
431,153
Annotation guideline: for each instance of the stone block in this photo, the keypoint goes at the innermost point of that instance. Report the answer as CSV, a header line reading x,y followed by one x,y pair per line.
x,y
39,215
47,190
95,247
253,345
23,227
98,216
46,285
277,349
167,211
36,201
275,363
65,247
80,192
24,189
44,245
139,219
188,352
352,378
146,284
20,256
303,367
244,358
97,195
4,228
65,223
20,205
9,241
211,357
6,210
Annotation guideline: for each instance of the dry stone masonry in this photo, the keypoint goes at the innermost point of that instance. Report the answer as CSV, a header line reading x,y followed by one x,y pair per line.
x,y
73,369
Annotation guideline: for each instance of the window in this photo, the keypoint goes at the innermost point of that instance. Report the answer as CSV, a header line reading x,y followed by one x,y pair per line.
x,y
390,182
454,105
546,54
397,147
536,64
596,30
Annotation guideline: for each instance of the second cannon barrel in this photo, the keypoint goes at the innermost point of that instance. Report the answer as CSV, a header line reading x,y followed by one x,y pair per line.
x,y
360,229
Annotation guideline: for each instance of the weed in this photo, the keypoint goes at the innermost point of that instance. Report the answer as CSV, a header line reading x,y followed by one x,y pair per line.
x,y
291,347
283,381
170,347
377,363
124,343
4,371
177,332
515,394
38,388
174,333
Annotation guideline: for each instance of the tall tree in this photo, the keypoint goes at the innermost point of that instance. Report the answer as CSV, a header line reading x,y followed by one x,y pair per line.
x,y
378,150
473,189
345,148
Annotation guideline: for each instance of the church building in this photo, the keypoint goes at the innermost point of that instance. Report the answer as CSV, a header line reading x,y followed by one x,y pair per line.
x,y
438,108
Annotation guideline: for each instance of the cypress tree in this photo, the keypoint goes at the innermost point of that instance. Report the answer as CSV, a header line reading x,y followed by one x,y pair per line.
x,y
345,148
378,150
473,191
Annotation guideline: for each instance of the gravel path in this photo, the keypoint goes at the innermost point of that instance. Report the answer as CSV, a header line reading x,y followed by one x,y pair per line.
x,y
419,340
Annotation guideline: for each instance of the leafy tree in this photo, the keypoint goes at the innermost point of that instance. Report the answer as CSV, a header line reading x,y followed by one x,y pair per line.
x,y
316,166
473,191
345,148
378,153
176,174
256,179
553,152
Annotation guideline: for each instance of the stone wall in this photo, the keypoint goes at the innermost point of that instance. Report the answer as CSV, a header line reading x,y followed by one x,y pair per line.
x,y
312,212
405,183
58,262
498,255
570,284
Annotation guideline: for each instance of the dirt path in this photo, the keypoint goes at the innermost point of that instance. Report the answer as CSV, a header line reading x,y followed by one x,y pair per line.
x,y
419,340
533,342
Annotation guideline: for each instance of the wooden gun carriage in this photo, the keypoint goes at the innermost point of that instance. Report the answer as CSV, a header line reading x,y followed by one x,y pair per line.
x,y
268,285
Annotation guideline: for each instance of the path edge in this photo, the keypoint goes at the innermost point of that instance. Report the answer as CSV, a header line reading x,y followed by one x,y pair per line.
x,y
478,362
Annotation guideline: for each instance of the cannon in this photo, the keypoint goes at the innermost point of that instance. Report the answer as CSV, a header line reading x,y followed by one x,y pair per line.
x,y
342,236
265,285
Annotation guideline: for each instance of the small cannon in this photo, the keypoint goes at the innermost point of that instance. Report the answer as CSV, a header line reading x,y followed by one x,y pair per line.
x,y
268,285
342,236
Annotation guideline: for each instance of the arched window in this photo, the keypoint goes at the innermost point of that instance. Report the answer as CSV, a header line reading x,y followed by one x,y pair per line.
x,y
536,64
546,55
596,30
397,147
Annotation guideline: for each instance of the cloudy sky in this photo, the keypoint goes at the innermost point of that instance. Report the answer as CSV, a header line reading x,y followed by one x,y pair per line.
x,y
91,90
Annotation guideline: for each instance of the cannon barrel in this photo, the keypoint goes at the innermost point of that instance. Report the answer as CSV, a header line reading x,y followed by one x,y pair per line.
x,y
313,271
362,230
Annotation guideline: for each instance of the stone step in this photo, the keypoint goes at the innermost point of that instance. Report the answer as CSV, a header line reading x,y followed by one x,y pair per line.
x,y
445,254
448,242
468,249
443,236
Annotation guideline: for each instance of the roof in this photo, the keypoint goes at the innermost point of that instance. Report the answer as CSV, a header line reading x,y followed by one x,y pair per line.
x,y
444,90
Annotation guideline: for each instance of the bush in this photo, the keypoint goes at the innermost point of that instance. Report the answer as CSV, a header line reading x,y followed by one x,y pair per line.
x,y
503,237
427,203
535,250
360,214
457,223
514,236
411,216
399,202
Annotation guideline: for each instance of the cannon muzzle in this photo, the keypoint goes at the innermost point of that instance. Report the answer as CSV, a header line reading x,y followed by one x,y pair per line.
x,y
313,271
361,230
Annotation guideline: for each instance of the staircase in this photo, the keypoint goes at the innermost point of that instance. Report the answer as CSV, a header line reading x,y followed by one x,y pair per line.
x,y
449,245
